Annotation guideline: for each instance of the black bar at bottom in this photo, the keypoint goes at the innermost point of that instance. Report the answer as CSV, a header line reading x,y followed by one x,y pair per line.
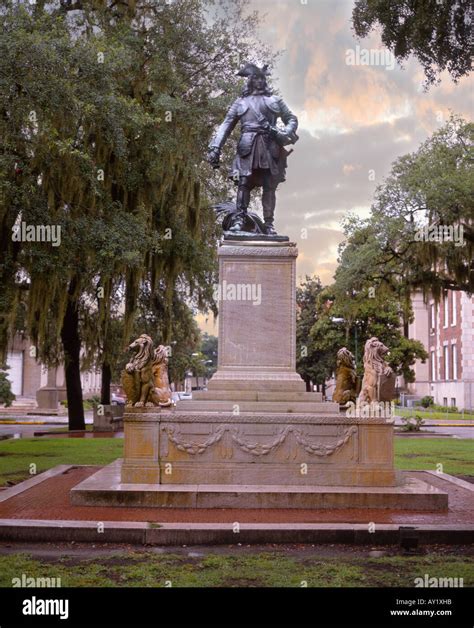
x,y
293,607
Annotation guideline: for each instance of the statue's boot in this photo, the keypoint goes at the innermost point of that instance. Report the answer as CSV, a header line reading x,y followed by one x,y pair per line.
x,y
268,203
269,228
243,200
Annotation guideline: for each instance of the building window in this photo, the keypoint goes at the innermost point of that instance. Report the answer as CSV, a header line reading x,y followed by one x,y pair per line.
x,y
445,402
454,362
433,366
454,312
432,318
446,310
453,402
446,361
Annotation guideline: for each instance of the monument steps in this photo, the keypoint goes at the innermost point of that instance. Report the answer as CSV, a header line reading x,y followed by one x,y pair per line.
x,y
105,488
255,395
257,385
305,407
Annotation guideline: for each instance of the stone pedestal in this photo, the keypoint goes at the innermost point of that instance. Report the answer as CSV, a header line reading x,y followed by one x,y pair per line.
x,y
257,318
175,447
47,397
255,438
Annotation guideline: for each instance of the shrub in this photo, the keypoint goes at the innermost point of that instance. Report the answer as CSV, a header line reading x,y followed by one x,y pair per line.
x,y
412,424
438,408
427,401
6,395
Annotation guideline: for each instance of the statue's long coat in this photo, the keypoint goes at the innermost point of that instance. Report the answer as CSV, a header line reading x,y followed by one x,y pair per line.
x,y
257,149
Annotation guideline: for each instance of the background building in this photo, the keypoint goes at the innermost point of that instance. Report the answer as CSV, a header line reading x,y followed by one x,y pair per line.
x,y
27,376
446,330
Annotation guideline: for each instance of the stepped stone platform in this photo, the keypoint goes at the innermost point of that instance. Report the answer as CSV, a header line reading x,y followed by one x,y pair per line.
x,y
105,488
251,395
237,405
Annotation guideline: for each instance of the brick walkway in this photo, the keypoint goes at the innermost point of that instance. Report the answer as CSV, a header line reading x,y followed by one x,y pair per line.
x,y
50,500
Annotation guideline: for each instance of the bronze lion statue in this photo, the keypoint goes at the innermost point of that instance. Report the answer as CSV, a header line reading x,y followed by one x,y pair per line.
x,y
160,376
378,383
145,378
346,378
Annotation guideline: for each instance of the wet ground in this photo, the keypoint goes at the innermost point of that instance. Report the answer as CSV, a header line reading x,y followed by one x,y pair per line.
x,y
82,551
50,500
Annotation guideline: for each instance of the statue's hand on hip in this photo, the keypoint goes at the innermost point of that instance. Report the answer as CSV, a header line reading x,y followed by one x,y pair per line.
x,y
214,157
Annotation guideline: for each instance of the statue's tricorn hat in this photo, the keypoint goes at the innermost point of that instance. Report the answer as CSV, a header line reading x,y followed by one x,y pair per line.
x,y
251,69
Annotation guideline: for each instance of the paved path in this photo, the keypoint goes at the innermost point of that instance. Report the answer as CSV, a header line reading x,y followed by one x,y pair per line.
x,y
55,492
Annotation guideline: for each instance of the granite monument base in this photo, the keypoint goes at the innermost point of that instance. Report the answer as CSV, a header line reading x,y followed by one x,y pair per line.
x,y
256,438
196,447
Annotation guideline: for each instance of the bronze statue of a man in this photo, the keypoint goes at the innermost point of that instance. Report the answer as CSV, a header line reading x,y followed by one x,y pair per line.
x,y
261,157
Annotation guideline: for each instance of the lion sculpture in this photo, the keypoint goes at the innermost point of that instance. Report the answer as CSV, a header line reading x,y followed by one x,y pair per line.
x,y
346,378
378,383
145,378
160,376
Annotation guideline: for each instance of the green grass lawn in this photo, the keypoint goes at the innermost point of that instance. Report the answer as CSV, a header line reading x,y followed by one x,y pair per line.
x,y
263,569
427,415
16,456
456,455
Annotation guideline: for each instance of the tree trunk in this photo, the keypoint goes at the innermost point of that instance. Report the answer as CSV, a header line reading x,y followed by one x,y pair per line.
x,y
406,327
105,385
308,383
72,366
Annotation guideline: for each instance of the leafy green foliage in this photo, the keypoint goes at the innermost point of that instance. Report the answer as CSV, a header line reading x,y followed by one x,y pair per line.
x,y
427,401
106,112
412,424
6,395
426,189
209,350
438,34
313,362
445,409
429,413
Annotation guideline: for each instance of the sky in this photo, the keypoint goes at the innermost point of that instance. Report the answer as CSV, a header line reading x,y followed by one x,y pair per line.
x,y
354,121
